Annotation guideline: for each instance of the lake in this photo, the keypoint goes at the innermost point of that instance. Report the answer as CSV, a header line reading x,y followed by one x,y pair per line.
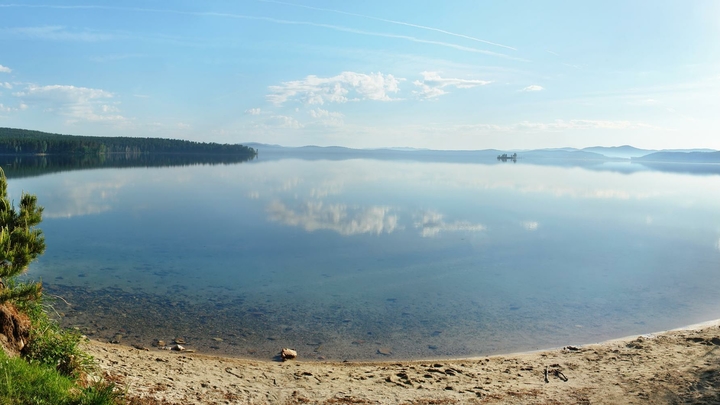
x,y
360,259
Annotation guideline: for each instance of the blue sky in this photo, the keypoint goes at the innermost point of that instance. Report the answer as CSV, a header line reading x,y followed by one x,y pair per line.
x,y
426,74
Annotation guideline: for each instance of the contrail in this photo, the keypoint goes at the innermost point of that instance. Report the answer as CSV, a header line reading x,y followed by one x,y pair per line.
x,y
391,22
272,20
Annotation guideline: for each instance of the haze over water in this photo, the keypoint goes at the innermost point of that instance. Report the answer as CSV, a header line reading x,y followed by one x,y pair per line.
x,y
348,259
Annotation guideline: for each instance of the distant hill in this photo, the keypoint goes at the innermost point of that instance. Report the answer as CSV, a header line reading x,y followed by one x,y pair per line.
x,y
27,142
681,157
561,154
625,151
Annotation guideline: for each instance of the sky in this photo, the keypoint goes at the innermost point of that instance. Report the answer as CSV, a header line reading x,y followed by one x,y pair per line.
x,y
393,73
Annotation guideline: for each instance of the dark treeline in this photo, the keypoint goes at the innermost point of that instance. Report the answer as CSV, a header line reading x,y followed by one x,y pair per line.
x,y
16,166
26,142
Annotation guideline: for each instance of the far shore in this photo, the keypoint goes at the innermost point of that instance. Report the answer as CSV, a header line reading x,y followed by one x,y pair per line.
x,y
676,366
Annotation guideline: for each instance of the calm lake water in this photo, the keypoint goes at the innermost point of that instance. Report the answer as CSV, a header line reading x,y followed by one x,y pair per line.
x,y
350,259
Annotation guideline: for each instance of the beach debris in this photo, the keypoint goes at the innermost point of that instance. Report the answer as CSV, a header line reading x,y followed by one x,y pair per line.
x,y
230,371
288,354
179,341
556,372
177,348
141,347
571,348
559,374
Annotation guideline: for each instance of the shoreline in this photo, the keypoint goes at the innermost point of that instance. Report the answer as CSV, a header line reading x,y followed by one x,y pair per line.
x,y
652,368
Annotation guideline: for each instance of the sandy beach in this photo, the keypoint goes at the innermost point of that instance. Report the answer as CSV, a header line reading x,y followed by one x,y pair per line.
x,y
674,367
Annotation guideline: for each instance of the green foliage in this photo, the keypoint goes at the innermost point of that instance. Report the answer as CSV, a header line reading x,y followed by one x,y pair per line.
x,y
20,241
23,383
51,345
22,141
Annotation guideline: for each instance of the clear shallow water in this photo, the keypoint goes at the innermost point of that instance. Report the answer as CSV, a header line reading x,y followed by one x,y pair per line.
x,y
345,259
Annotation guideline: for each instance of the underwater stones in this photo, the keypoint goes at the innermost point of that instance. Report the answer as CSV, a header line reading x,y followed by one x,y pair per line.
x,y
217,339
385,351
159,343
288,354
179,341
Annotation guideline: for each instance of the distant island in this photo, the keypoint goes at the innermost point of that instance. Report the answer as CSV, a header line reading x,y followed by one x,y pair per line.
x,y
15,141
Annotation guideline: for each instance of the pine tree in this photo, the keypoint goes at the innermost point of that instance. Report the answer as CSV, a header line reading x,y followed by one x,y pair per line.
x,y
20,243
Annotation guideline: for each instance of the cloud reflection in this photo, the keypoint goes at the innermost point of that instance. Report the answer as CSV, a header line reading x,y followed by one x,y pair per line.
x,y
88,198
431,223
315,215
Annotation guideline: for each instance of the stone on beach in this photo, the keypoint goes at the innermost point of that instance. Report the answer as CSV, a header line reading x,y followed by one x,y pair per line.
x,y
288,354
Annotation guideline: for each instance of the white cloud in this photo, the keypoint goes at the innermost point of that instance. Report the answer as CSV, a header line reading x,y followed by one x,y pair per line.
x,y
253,111
6,85
533,87
78,103
5,69
347,86
558,125
320,113
327,118
432,84
339,218
530,225
283,121
56,33
431,223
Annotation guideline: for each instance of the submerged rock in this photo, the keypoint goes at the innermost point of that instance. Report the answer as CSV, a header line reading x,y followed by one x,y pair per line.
x,y
385,351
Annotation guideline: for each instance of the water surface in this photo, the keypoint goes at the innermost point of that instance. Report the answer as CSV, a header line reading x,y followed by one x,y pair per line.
x,y
348,259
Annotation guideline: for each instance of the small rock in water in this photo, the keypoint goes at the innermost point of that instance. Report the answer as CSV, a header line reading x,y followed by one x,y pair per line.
x,y
159,343
385,351
288,354
217,339
179,341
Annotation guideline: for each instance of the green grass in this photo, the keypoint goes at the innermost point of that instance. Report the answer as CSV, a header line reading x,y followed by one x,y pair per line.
x,y
23,383
52,367
52,345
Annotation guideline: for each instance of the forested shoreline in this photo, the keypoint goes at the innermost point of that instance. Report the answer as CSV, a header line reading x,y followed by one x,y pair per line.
x,y
14,141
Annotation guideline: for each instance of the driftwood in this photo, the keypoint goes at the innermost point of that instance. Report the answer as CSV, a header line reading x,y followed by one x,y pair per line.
x,y
556,372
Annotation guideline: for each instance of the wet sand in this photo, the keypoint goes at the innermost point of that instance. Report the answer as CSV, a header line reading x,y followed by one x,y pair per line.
x,y
680,366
